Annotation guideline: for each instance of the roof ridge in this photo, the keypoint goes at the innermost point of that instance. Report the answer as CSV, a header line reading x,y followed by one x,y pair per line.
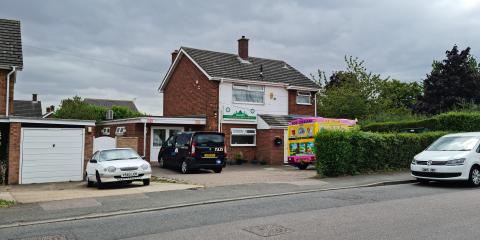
x,y
117,100
233,54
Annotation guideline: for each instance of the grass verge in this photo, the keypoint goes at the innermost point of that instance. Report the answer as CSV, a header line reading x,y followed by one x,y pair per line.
x,y
6,203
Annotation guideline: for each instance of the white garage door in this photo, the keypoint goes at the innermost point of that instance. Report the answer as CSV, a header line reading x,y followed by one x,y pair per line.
x,y
51,155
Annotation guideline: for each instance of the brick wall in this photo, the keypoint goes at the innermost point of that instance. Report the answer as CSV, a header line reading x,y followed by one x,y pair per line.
x,y
88,145
189,92
247,152
3,92
297,109
14,153
266,149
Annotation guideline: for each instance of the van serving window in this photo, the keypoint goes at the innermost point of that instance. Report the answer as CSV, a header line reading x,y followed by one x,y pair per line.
x,y
248,94
243,137
304,98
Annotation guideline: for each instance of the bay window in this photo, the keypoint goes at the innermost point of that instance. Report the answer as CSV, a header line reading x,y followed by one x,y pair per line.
x,y
248,94
243,137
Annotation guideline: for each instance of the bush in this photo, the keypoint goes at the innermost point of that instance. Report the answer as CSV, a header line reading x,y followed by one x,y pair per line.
x,y
451,121
355,152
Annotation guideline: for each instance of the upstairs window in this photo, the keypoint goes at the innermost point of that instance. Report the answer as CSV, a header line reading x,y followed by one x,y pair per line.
x,y
303,98
248,94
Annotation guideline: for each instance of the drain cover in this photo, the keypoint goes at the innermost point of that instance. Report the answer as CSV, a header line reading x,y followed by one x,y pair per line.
x,y
49,237
268,230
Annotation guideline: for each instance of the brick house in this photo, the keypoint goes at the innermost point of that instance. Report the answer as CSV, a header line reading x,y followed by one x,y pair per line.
x,y
249,99
34,149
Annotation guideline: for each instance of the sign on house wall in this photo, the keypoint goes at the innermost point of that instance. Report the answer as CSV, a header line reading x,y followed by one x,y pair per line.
x,y
231,112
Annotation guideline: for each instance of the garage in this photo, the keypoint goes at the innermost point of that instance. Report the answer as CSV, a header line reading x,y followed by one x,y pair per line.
x,y
51,155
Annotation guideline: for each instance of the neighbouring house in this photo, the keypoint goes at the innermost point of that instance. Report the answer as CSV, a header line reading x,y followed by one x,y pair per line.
x,y
34,149
109,103
250,99
27,108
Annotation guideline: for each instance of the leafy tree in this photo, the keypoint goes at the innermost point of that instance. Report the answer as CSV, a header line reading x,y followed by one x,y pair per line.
x,y
399,95
453,81
75,108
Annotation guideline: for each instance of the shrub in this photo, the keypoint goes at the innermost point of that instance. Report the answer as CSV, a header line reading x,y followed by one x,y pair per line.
x,y
451,121
355,152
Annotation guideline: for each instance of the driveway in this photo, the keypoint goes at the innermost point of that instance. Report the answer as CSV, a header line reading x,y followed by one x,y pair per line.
x,y
243,174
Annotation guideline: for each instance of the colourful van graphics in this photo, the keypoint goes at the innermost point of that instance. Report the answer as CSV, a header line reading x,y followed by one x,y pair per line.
x,y
301,133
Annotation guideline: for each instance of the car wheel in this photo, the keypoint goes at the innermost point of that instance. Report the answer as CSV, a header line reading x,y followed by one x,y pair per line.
x,y
302,166
217,170
100,185
89,183
422,181
184,167
146,182
161,163
474,178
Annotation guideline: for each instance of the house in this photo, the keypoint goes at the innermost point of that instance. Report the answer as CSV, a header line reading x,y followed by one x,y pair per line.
x,y
35,149
109,103
249,99
27,108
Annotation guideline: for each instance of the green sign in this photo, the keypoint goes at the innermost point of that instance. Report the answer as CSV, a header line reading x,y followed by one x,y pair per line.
x,y
237,113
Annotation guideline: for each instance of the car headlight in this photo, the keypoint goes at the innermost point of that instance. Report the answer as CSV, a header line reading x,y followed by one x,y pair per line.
x,y
414,162
111,169
145,166
456,162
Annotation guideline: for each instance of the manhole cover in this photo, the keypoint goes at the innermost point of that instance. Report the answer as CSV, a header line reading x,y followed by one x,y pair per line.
x,y
49,237
268,230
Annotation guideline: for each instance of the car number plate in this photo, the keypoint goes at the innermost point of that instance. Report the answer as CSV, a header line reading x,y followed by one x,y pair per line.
x,y
428,169
209,155
130,174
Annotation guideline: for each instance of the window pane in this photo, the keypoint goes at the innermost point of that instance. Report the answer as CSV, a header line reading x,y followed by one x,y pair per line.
x,y
303,99
243,139
158,137
240,95
256,88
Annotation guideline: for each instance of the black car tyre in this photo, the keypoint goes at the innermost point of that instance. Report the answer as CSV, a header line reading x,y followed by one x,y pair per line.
x,y
474,178
302,166
161,163
217,170
100,185
423,181
184,168
146,182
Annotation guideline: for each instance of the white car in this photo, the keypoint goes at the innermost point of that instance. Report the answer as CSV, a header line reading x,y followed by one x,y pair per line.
x,y
117,165
451,157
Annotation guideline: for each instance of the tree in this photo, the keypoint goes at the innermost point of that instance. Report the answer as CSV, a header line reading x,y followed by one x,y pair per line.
x,y
399,95
75,108
453,81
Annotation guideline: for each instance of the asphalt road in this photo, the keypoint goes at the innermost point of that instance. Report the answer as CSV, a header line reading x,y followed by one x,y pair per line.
x,y
408,211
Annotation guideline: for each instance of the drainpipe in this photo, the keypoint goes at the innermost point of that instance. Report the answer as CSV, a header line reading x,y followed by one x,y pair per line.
x,y
315,102
14,69
220,109
145,139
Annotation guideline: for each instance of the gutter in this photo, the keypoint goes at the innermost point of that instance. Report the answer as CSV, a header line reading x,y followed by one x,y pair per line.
x,y
7,108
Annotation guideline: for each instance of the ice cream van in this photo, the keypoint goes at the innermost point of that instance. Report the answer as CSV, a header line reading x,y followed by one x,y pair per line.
x,y
301,137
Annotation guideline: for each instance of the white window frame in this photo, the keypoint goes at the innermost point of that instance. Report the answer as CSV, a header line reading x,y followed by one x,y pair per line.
x,y
304,94
120,131
243,132
106,131
248,88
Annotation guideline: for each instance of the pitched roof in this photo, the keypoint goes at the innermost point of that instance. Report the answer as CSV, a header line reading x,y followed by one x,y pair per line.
x,y
227,65
10,44
25,108
109,103
279,120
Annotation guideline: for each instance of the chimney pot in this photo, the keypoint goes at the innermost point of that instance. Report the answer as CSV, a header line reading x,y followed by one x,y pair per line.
x,y
34,97
243,48
174,55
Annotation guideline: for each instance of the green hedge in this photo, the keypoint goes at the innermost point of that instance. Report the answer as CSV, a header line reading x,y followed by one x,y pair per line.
x,y
355,152
451,121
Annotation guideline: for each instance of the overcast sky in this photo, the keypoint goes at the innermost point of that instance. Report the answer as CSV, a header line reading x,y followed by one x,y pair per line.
x,y
121,49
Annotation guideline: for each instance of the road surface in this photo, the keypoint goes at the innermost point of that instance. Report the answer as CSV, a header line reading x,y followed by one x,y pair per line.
x,y
408,211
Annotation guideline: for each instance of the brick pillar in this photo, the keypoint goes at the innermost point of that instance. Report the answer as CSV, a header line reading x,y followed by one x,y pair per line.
x,y
88,148
14,153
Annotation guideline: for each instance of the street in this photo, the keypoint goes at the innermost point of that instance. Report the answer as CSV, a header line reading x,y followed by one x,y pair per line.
x,y
407,211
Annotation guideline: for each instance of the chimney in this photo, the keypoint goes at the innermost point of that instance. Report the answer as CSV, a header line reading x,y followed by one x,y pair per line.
x,y
52,108
174,55
48,109
34,97
243,48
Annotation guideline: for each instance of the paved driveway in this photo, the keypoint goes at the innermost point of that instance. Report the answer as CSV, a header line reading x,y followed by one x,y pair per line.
x,y
243,174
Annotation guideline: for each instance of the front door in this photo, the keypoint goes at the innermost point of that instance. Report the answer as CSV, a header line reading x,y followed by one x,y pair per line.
x,y
158,136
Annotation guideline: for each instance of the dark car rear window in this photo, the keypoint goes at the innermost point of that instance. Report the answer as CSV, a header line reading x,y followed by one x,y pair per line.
x,y
209,139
